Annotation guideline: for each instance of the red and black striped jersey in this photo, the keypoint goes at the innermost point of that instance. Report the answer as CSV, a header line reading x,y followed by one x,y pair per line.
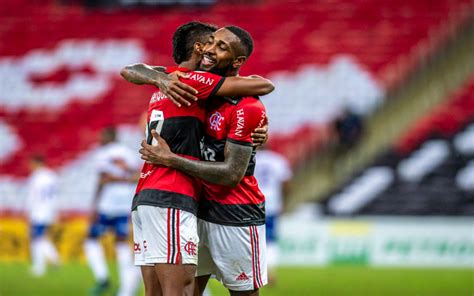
x,y
183,129
232,120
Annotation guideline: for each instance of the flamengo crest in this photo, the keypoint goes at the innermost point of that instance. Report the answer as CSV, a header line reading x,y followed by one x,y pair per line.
x,y
215,121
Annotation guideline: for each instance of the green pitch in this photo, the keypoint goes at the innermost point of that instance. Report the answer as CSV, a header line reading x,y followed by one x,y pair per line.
x,y
76,279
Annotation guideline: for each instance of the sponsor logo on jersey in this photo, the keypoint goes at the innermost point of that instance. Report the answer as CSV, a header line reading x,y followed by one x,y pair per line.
x,y
157,96
242,277
136,248
263,117
201,78
240,122
145,245
144,175
215,121
191,248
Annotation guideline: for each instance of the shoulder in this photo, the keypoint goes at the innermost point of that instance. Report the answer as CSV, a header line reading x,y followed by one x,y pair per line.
x,y
47,175
250,102
203,77
120,150
250,108
109,150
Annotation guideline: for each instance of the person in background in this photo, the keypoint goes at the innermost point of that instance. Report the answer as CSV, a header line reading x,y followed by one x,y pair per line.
x,y
349,129
273,173
118,167
41,209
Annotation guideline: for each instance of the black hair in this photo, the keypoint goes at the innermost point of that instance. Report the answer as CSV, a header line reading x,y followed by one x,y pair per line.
x,y
245,38
38,158
185,37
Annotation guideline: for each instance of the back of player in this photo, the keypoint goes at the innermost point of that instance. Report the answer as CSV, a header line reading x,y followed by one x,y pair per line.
x,y
232,219
273,173
165,204
117,160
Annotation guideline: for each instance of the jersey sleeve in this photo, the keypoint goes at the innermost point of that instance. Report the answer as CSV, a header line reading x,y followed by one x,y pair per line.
x,y
207,84
245,118
105,161
101,163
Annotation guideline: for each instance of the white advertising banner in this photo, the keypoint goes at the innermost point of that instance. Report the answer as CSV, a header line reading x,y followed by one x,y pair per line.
x,y
436,242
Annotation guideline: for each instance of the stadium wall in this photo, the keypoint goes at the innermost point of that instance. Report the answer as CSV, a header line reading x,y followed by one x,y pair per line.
x,y
68,236
373,241
379,241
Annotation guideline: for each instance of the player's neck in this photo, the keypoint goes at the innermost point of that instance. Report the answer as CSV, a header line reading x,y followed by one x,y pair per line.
x,y
234,72
191,64
187,65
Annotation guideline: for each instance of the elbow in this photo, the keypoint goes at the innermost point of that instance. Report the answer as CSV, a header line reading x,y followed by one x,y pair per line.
x,y
233,180
269,87
128,70
125,72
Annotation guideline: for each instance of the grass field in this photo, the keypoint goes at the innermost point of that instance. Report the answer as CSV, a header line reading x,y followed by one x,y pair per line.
x,y
76,279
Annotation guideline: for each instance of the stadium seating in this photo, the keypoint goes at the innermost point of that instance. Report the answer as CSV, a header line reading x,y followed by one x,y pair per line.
x,y
432,164
59,69
445,120
361,191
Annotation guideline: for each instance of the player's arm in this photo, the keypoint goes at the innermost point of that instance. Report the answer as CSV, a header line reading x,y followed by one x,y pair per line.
x,y
94,208
228,173
253,85
108,178
131,176
141,74
175,90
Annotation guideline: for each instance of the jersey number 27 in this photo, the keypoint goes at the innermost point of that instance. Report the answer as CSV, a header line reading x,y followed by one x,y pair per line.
x,y
155,123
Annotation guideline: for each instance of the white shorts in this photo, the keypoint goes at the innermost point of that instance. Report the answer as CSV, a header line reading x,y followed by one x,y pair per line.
x,y
235,255
164,235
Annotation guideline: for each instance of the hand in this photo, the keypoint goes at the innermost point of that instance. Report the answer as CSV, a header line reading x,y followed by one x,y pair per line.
x,y
178,92
260,136
119,162
156,154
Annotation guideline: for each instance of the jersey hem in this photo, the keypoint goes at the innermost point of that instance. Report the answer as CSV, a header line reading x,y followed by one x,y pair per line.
x,y
165,199
144,203
243,143
234,223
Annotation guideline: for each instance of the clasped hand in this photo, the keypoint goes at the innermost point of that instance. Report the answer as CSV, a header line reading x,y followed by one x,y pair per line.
x,y
160,153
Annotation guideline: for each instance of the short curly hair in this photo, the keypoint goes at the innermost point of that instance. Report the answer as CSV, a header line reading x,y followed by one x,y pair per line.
x,y
185,37
246,40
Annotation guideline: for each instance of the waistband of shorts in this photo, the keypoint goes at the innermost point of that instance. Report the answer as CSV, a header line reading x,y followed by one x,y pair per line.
x,y
165,199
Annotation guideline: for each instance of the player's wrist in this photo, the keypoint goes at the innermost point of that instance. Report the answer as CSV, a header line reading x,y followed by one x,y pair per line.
x,y
170,160
160,78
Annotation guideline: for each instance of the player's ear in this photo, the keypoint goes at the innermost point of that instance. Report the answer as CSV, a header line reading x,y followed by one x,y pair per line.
x,y
198,47
239,61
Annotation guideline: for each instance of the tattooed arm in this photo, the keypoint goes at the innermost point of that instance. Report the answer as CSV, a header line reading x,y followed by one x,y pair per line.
x,y
229,172
142,74
175,90
253,85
